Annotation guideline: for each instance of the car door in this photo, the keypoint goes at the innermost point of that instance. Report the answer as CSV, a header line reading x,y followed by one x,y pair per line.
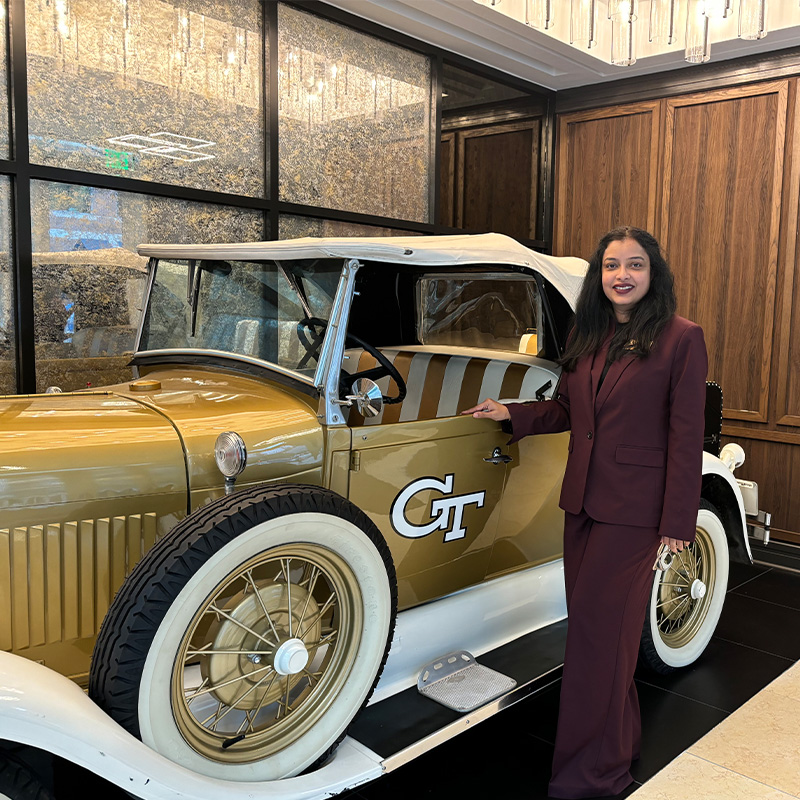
x,y
433,488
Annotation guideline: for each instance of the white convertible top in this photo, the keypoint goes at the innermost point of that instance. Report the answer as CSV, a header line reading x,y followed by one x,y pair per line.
x,y
565,273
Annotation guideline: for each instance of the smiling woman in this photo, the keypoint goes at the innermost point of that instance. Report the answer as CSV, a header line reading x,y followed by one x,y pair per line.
x,y
632,395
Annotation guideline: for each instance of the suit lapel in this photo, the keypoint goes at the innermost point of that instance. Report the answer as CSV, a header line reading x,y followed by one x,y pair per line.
x,y
614,373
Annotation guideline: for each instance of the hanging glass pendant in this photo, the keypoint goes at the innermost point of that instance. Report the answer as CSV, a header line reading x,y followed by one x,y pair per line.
x,y
664,20
622,50
583,23
698,48
624,7
539,13
718,9
752,19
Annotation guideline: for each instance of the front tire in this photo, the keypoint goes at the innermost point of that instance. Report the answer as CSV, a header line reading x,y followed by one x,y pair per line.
x,y
249,638
680,623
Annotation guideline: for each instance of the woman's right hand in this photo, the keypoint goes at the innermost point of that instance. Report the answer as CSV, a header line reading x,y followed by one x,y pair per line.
x,y
489,409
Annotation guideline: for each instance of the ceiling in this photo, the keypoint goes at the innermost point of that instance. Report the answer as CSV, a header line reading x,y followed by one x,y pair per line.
x,y
499,38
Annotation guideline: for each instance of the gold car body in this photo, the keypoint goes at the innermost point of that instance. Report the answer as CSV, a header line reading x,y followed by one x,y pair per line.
x,y
90,480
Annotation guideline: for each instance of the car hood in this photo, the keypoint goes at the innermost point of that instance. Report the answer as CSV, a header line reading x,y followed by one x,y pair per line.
x,y
278,424
83,446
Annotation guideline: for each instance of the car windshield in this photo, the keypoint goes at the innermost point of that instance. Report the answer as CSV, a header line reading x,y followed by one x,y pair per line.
x,y
261,309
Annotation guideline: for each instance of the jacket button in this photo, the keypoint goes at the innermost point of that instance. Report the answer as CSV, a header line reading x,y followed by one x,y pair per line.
x,y
589,435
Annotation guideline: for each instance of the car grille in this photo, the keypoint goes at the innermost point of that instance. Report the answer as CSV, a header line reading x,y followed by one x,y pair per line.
x,y
57,580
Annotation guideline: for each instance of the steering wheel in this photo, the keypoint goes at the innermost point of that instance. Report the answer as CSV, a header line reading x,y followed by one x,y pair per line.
x,y
317,327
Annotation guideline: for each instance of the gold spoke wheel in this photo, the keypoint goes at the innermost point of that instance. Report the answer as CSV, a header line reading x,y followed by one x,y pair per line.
x,y
680,611
686,600
271,644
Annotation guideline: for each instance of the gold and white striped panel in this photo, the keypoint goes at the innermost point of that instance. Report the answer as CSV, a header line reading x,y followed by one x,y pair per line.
x,y
451,386
492,381
415,384
57,581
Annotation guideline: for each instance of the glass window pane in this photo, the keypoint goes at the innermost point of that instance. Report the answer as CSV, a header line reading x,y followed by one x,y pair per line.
x,y
5,135
88,281
296,227
495,312
8,373
355,119
151,90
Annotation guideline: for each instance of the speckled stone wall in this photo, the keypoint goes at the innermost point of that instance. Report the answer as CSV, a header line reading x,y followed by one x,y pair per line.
x,y
87,302
175,92
150,90
292,226
5,137
8,379
355,119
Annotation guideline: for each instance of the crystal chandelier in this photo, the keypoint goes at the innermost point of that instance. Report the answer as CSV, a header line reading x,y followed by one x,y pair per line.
x,y
666,20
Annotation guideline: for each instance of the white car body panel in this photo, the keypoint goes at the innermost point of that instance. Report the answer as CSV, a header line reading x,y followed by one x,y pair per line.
x,y
39,707
713,466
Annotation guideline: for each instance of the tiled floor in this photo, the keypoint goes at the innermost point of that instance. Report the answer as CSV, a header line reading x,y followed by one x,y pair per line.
x,y
757,640
508,756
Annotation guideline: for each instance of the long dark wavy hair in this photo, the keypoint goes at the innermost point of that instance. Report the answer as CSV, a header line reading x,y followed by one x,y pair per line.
x,y
595,314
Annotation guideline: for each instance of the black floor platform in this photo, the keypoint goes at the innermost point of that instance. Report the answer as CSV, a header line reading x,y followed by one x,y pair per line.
x,y
508,756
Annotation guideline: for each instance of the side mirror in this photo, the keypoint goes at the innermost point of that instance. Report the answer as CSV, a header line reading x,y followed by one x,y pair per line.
x,y
367,396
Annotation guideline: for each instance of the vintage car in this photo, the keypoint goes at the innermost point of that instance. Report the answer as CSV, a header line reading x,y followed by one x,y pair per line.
x,y
293,520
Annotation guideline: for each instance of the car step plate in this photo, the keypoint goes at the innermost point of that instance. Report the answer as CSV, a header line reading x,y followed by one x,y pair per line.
x,y
459,682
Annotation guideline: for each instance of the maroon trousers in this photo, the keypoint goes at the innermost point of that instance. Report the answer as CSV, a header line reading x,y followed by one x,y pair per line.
x,y
608,571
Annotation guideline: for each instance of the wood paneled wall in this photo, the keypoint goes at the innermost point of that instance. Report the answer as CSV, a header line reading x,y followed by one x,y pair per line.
x,y
607,168
489,178
716,176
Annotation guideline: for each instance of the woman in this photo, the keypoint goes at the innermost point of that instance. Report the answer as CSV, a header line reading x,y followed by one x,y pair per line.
x,y
632,393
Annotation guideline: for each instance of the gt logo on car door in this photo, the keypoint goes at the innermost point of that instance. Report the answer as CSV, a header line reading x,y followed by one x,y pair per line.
x,y
440,509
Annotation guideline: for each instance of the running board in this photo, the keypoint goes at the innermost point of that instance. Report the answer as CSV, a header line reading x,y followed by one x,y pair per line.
x,y
408,724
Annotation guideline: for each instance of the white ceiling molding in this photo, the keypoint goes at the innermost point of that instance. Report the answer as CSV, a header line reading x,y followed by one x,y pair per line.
x,y
498,37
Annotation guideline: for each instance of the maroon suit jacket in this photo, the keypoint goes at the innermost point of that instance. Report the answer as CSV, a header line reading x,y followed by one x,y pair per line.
x,y
636,447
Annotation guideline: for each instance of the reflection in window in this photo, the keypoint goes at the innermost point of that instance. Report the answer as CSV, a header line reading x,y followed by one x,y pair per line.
x,y
149,89
256,309
295,227
495,312
8,375
88,282
355,119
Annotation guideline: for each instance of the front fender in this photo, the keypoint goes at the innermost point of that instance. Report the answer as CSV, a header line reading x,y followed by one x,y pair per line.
x,y
41,708
721,490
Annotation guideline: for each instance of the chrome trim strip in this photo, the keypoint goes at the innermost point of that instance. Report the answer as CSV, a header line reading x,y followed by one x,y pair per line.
x,y
326,378
198,351
468,721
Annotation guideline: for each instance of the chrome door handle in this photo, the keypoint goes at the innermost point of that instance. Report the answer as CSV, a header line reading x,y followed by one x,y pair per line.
x,y
498,457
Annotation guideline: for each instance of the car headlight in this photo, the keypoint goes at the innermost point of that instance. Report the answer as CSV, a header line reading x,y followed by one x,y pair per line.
x,y
230,454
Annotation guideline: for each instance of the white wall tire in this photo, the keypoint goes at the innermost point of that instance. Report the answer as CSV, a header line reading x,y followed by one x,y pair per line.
x,y
265,648
686,600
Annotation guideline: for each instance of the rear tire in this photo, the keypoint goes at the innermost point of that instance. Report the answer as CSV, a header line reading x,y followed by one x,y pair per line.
x,y
247,640
679,625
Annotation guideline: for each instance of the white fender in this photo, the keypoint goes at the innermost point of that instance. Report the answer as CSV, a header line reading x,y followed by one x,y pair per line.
x,y
39,707
713,466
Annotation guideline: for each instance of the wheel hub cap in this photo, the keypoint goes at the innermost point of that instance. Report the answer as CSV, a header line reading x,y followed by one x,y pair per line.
x,y
291,657
253,643
698,589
